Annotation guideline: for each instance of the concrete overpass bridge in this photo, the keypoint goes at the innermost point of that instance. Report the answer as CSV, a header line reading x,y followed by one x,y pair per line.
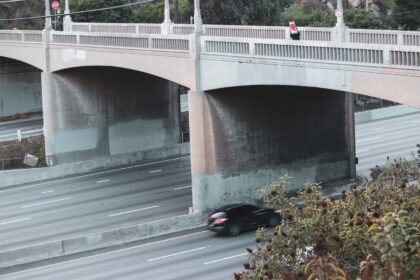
x,y
261,105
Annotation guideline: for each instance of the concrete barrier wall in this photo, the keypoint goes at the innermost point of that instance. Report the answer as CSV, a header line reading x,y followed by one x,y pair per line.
x,y
377,114
99,240
22,176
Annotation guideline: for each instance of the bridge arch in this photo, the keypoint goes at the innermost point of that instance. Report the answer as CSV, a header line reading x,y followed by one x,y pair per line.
x,y
176,67
397,85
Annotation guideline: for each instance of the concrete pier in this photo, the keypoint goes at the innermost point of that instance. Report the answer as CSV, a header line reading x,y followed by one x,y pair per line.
x,y
95,112
244,138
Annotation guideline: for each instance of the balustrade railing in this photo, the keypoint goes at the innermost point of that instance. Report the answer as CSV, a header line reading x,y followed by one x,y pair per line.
x,y
370,47
347,53
144,41
367,36
21,35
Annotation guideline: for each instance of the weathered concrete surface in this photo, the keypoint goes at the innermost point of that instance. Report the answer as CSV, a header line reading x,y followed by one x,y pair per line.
x,y
22,176
20,88
99,240
98,111
244,138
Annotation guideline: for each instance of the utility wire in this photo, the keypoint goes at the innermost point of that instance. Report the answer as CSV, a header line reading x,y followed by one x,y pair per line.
x,y
80,12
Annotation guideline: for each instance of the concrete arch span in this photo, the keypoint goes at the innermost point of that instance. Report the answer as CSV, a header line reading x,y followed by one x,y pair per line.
x,y
243,138
397,85
96,112
176,67
31,54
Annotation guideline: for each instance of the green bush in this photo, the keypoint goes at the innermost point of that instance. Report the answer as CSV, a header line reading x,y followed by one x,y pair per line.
x,y
372,231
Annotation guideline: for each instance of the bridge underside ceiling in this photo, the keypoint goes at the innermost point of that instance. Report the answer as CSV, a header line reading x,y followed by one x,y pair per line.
x,y
98,111
20,88
244,138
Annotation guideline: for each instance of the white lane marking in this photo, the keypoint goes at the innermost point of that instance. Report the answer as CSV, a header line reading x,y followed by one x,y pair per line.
x,y
176,254
104,254
102,181
46,202
379,128
227,258
156,171
362,151
132,211
93,174
15,221
49,191
181,188
369,139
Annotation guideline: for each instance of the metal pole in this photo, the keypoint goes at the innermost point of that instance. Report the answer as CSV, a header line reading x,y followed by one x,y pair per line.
x,y
48,15
367,6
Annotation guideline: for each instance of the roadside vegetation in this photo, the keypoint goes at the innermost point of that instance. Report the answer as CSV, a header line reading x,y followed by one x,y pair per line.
x,y
380,14
370,233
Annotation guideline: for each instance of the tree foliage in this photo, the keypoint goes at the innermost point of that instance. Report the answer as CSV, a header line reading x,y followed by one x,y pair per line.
x,y
26,8
407,14
124,14
372,232
243,12
368,20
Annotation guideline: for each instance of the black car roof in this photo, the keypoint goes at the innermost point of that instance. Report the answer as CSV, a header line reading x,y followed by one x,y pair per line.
x,y
230,206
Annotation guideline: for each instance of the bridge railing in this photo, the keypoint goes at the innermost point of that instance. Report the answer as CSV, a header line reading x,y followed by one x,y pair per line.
x,y
367,36
138,41
21,36
383,37
344,53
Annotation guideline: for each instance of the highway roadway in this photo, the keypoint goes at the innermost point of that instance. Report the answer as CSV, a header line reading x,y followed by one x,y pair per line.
x,y
196,254
90,203
393,137
146,192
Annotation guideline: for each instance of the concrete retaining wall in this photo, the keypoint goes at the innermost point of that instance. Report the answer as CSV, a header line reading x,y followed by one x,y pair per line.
x,y
99,240
22,176
377,114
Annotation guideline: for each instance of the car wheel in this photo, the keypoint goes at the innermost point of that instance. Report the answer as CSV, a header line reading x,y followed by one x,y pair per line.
x,y
234,230
274,220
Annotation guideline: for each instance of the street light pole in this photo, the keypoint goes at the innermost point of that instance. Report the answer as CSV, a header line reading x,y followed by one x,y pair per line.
x,y
47,15
67,17
198,22
167,23
339,13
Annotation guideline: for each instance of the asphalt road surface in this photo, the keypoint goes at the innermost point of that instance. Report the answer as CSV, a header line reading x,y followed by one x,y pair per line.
x,y
395,138
197,254
28,127
91,203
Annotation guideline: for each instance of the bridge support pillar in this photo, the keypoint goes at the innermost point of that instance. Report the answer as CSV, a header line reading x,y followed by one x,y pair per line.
x,y
98,112
244,138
